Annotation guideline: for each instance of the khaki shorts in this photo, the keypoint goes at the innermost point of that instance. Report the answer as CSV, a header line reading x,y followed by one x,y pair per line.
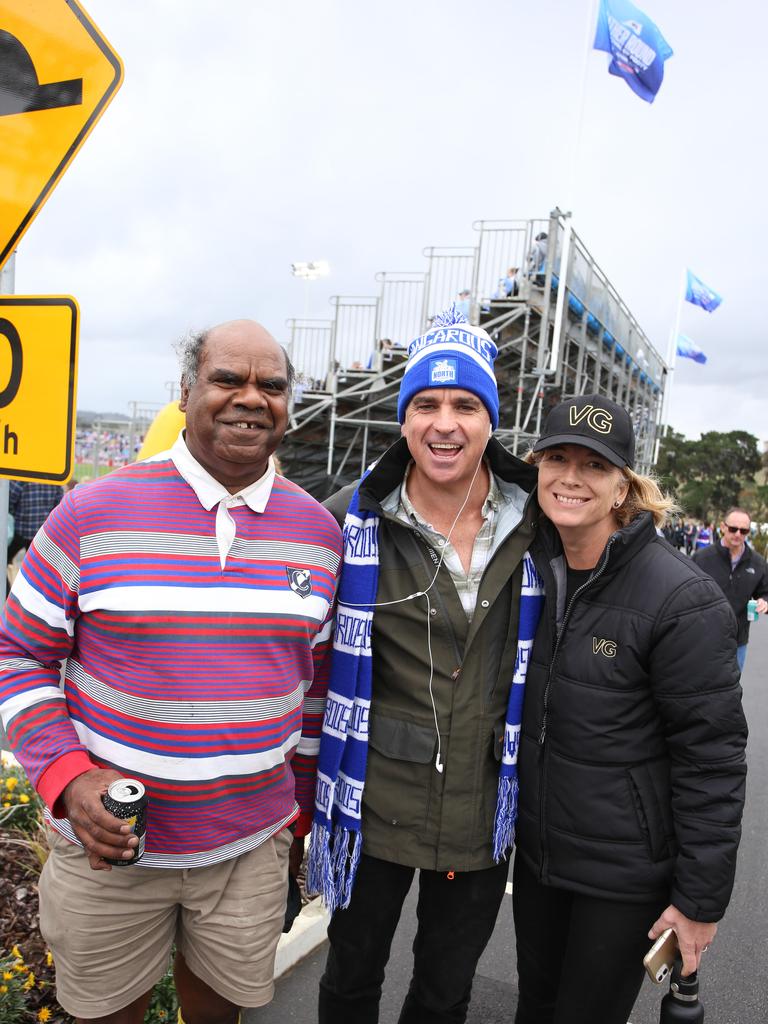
x,y
111,932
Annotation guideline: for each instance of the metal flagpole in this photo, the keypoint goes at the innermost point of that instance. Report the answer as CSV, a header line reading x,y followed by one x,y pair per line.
x,y
7,287
671,361
570,191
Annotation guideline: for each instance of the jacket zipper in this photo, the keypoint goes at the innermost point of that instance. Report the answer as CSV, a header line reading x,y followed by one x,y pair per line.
x,y
543,733
561,631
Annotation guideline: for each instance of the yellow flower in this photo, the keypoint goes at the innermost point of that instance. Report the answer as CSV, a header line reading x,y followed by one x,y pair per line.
x,y
6,803
11,782
17,953
7,976
44,1015
49,958
23,798
3,989
30,982
20,967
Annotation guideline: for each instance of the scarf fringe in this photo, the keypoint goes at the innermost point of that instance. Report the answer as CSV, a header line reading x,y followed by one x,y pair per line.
x,y
332,864
506,815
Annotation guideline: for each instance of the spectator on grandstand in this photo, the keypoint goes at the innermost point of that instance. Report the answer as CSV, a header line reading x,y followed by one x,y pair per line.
x,y
508,286
30,504
161,584
537,258
463,302
512,282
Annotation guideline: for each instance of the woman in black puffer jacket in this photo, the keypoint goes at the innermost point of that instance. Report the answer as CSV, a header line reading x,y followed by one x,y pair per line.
x,y
631,759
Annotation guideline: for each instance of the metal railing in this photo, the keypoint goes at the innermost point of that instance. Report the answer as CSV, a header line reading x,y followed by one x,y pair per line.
x,y
401,308
504,246
309,349
563,330
449,271
353,337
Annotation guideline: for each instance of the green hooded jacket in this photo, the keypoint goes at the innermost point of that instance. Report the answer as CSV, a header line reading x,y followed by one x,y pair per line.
x,y
412,813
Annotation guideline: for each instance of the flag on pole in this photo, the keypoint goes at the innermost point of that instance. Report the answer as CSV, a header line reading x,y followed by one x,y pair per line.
x,y
689,349
637,48
700,294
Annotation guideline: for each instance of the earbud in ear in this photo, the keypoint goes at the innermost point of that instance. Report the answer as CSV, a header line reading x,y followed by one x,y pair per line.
x,y
490,431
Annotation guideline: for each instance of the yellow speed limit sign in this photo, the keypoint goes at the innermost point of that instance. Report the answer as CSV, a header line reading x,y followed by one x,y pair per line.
x,y
38,384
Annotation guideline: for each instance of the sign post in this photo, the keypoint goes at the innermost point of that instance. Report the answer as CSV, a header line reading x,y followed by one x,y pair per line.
x,y
57,76
7,282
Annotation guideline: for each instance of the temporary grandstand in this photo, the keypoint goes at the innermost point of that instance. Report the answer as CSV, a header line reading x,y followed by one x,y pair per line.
x,y
563,331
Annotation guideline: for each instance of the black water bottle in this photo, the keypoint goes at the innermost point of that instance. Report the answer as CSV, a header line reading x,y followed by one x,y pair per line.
x,y
681,1004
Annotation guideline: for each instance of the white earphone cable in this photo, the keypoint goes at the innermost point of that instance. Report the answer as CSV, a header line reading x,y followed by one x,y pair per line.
x,y
425,593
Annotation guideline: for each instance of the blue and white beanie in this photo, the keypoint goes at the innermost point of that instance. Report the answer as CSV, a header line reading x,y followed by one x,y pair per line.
x,y
452,354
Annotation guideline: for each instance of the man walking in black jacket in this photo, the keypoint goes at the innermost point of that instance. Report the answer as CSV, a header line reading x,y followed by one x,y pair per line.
x,y
738,570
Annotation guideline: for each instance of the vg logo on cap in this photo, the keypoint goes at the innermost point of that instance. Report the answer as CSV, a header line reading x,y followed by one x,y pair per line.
x,y
595,422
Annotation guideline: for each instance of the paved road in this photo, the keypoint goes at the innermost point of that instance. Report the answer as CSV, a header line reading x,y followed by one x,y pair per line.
x,y
734,980
735,976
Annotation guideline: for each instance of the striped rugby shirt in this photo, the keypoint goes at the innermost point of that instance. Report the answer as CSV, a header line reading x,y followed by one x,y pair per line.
x,y
198,657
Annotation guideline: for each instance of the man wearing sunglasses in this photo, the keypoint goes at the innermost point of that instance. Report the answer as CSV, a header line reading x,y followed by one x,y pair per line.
x,y
738,570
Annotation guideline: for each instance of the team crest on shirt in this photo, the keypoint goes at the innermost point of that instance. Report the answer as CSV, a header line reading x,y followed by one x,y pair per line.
x,y
299,580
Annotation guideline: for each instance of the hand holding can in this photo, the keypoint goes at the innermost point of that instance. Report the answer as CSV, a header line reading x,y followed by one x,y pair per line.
x,y
752,613
127,799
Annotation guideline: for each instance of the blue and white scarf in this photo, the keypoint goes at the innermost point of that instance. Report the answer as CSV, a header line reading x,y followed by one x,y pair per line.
x,y
336,840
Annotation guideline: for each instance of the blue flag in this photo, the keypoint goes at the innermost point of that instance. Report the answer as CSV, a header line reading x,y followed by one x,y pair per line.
x,y
689,349
637,48
701,295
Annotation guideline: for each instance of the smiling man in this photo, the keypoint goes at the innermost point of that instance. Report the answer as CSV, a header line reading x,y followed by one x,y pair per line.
x,y
191,595
739,571
425,654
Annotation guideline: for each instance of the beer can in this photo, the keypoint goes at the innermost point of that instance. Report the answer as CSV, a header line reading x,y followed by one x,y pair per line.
x,y
127,799
752,614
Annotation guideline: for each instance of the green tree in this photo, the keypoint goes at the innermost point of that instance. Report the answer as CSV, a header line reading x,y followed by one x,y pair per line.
x,y
673,467
708,475
728,462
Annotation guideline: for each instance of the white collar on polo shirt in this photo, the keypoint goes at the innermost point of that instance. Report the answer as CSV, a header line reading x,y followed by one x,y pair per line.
x,y
210,492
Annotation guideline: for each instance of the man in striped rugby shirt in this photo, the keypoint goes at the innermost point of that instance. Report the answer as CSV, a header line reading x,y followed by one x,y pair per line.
x,y
191,595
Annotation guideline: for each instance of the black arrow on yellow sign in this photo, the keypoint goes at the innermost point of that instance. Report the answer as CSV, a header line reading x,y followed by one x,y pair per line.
x,y
20,90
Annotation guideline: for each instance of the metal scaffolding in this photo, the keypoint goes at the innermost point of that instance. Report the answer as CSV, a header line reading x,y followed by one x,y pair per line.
x,y
563,330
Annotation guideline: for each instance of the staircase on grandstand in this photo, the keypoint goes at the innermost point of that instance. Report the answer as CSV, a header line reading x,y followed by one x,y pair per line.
x,y
565,331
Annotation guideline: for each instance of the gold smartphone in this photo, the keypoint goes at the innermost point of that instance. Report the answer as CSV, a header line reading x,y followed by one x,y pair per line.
x,y
660,958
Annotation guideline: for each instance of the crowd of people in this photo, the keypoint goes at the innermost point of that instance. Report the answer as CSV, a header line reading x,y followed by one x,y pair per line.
x,y
464,659
98,449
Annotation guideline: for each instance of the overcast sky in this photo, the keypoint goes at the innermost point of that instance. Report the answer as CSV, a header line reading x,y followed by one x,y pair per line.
x,y
248,135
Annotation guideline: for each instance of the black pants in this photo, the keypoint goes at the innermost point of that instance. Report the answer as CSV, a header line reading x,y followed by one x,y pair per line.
x,y
455,921
579,959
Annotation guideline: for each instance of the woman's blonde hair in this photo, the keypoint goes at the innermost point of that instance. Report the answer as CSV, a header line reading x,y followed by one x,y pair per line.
x,y
644,495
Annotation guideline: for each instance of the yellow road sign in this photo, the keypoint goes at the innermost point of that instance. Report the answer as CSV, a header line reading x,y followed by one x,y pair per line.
x,y
57,75
38,384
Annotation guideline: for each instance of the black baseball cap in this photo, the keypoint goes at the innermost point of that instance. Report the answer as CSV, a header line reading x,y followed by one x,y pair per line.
x,y
595,422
